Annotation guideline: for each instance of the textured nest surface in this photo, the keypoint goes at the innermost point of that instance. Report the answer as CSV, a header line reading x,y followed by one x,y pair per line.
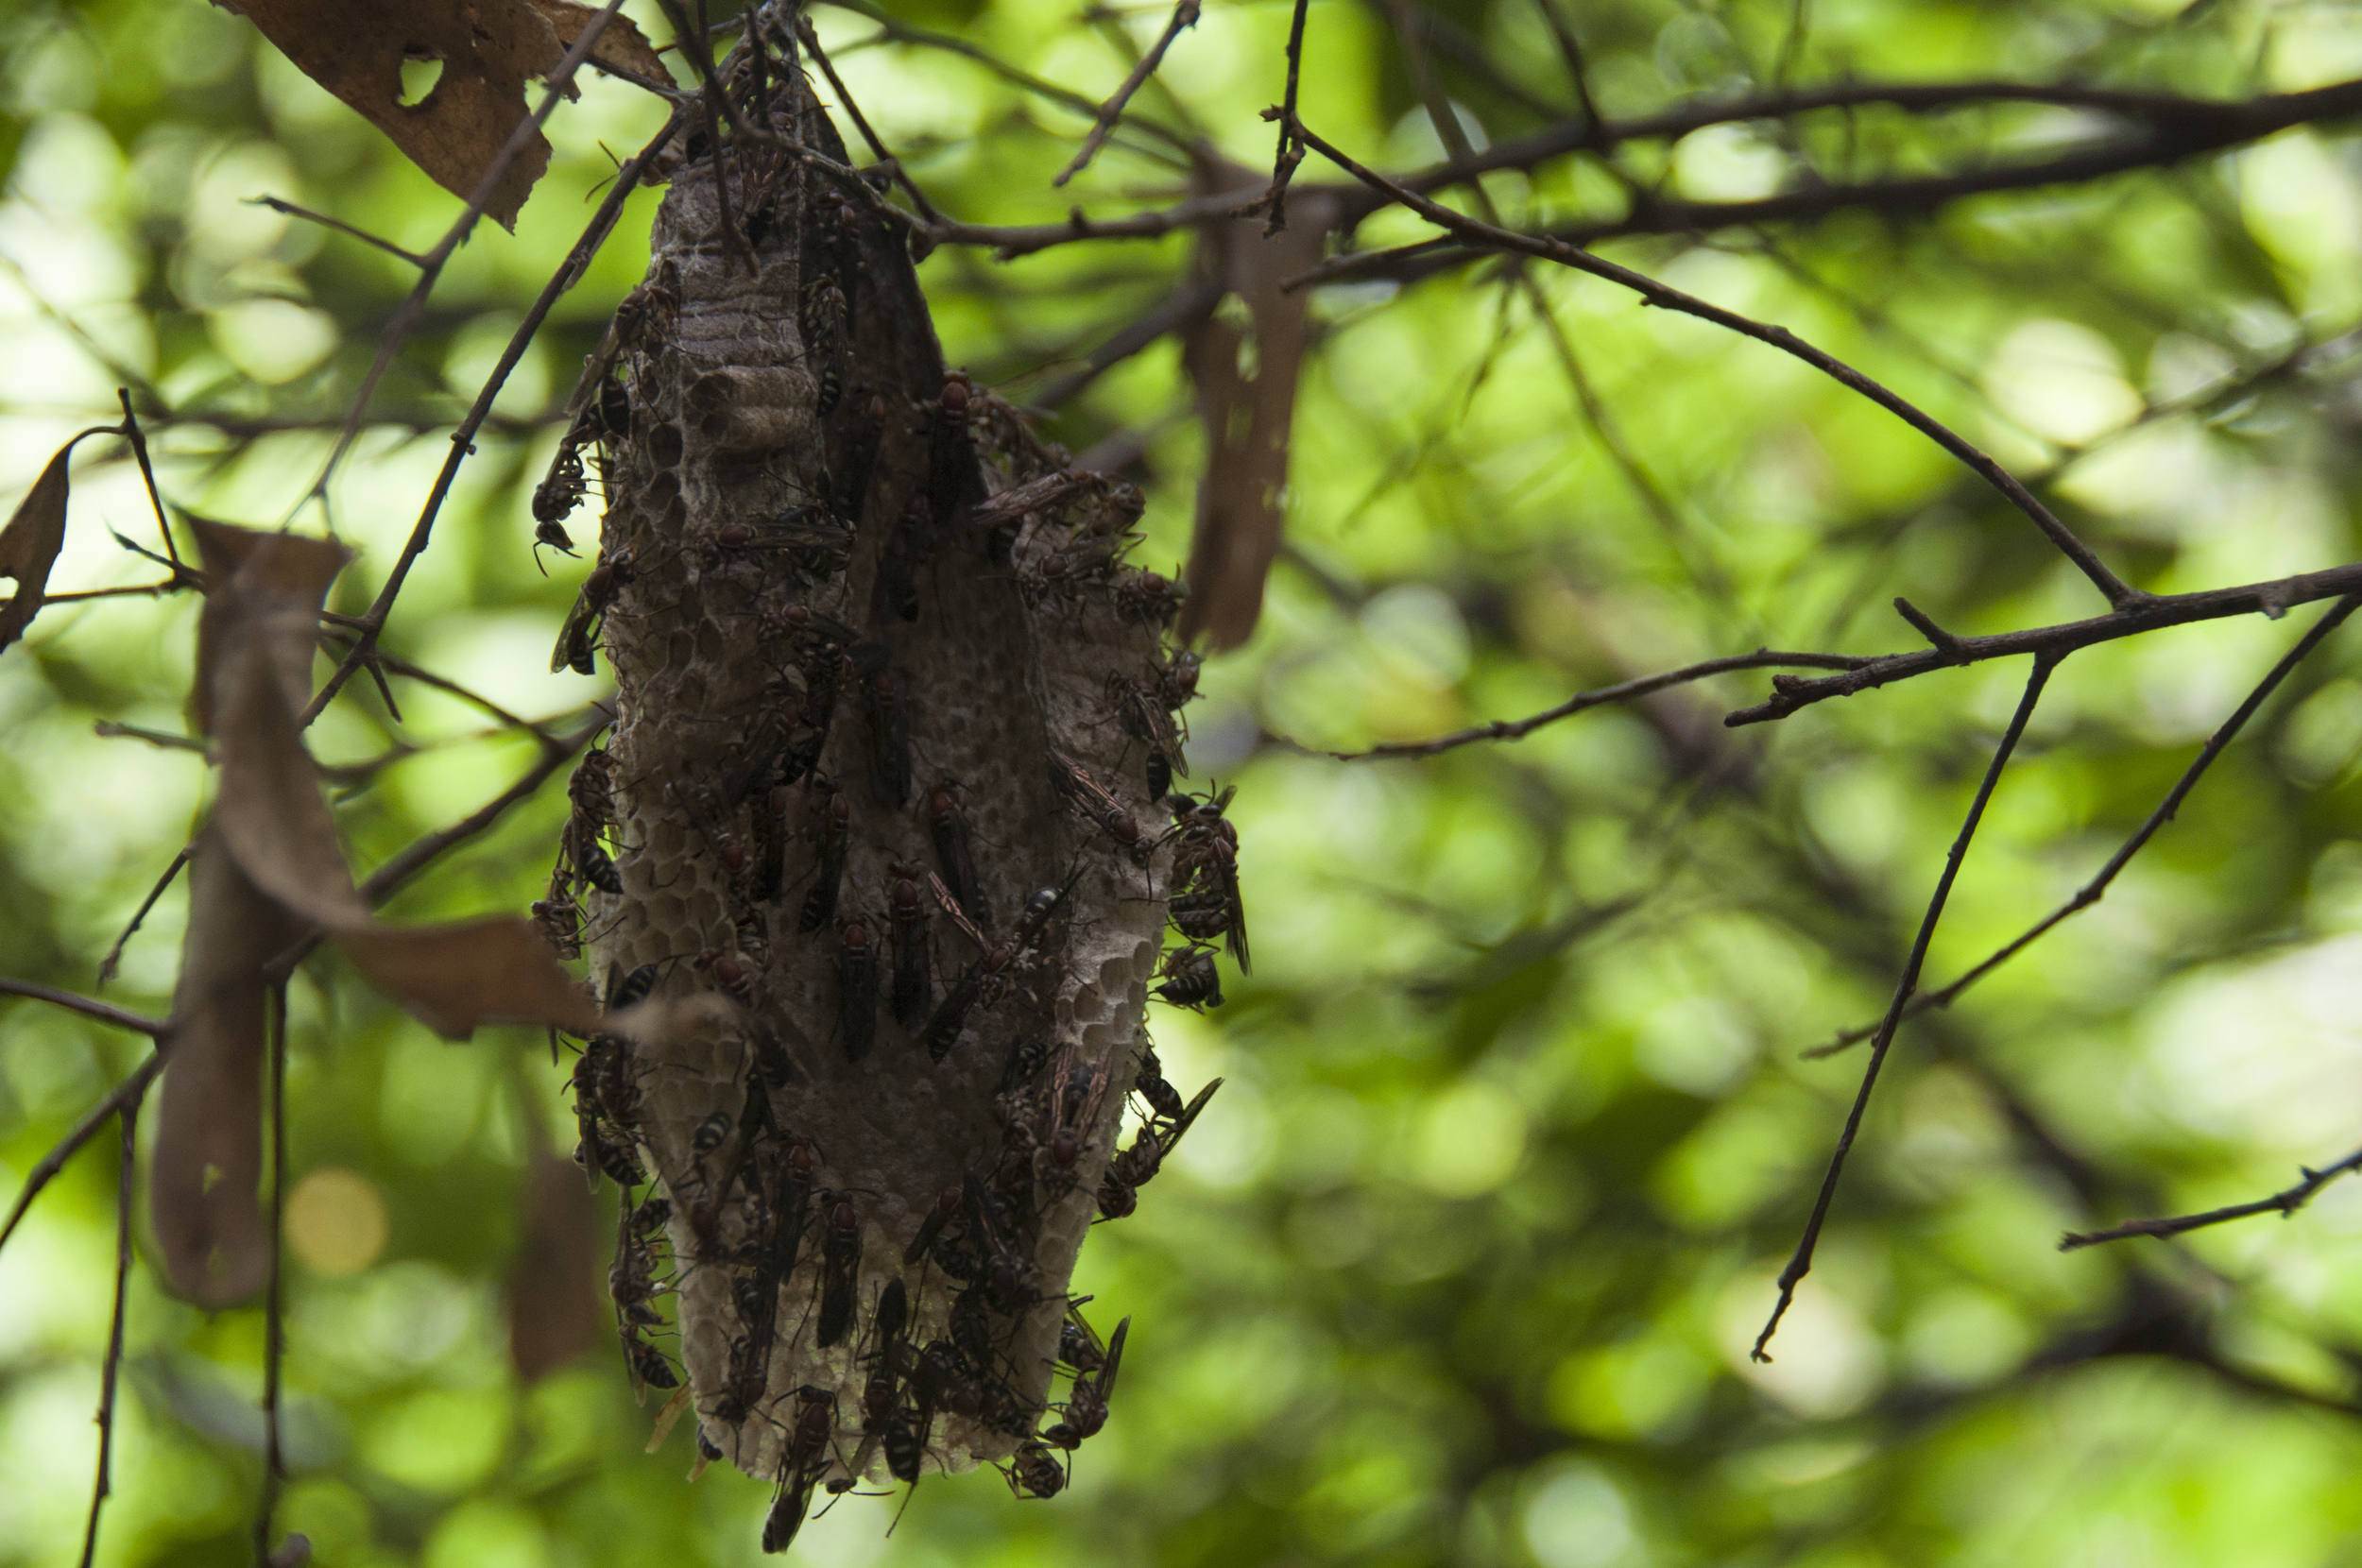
x,y
839,581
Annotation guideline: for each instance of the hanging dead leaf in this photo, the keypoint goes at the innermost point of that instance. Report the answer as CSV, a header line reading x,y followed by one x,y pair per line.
x,y
257,635
489,48
35,534
621,46
1247,419
208,1158
552,1301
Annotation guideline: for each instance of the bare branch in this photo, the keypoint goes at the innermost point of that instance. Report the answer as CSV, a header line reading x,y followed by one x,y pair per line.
x,y
407,315
2274,599
626,180
1291,151
148,475
1517,730
129,1117
113,960
2284,1202
1103,123
339,225
1799,1263
1666,296
274,1302
153,1027
809,37
2092,892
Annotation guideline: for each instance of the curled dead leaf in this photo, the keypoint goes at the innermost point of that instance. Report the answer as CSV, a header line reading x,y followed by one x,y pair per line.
x,y
208,1158
489,48
30,542
1246,419
621,46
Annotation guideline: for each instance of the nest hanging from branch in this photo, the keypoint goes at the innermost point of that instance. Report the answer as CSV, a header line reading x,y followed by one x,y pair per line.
x,y
878,863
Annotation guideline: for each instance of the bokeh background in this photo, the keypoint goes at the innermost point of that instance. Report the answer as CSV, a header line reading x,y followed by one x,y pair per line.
x,y
1463,1264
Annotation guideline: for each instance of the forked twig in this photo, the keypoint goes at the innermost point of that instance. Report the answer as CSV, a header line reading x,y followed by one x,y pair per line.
x,y
1104,125
1799,1263
2092,892
2284,1202
1291,151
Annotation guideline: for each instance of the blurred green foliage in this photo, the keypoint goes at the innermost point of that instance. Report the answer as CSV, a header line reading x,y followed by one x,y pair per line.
x,y
1463,1263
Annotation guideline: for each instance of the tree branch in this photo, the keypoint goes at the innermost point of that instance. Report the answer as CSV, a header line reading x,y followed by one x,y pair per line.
x,y
1799,1263
110,1372
2092,892
2284,1202
1666,296
1103,123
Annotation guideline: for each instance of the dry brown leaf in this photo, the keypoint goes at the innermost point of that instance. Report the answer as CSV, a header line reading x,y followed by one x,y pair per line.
x,y
208,1159
489,48
553,1287
259,625
1247,420
29,544
452,978
621,46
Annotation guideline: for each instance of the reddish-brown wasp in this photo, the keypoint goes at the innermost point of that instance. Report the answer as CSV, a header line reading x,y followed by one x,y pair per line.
x,y
1094,800
906,911
836,838
856,988
947,827
1139,707
1206,899
1082,1093
839,1271
801,1463
889,725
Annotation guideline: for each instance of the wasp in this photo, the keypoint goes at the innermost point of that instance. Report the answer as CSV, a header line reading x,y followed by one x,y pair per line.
x,y
848,482
802,1462
600,591
770,845
1147,597
898,577
559,920
1206,901
1093,800
1078,1101
1086,1402
1034,1469
559,494
836,838
1190,978
889,725
592,863
907,914
1148,1081
1131,1167
624,988
857,982
827,336
839,1271
1006,1278
1146,718
947,827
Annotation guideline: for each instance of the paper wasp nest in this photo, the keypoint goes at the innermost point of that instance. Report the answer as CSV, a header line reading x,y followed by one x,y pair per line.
x,y
879,836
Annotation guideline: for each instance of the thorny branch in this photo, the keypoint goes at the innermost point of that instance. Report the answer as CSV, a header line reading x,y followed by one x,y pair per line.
x,y
1801,1262
2092,892
2284,1203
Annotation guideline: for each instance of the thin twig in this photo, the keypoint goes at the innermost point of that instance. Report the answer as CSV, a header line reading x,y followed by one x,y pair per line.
x,y
1665,296
2092,892
125,1093
2284,1202
148,475
2273,599
413,308
1291,151
1103,123
462,440
1624,691
1801,1262
104,1487
339,225
1577,70
153,1027
274,1301
114,961
810,37
129,591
